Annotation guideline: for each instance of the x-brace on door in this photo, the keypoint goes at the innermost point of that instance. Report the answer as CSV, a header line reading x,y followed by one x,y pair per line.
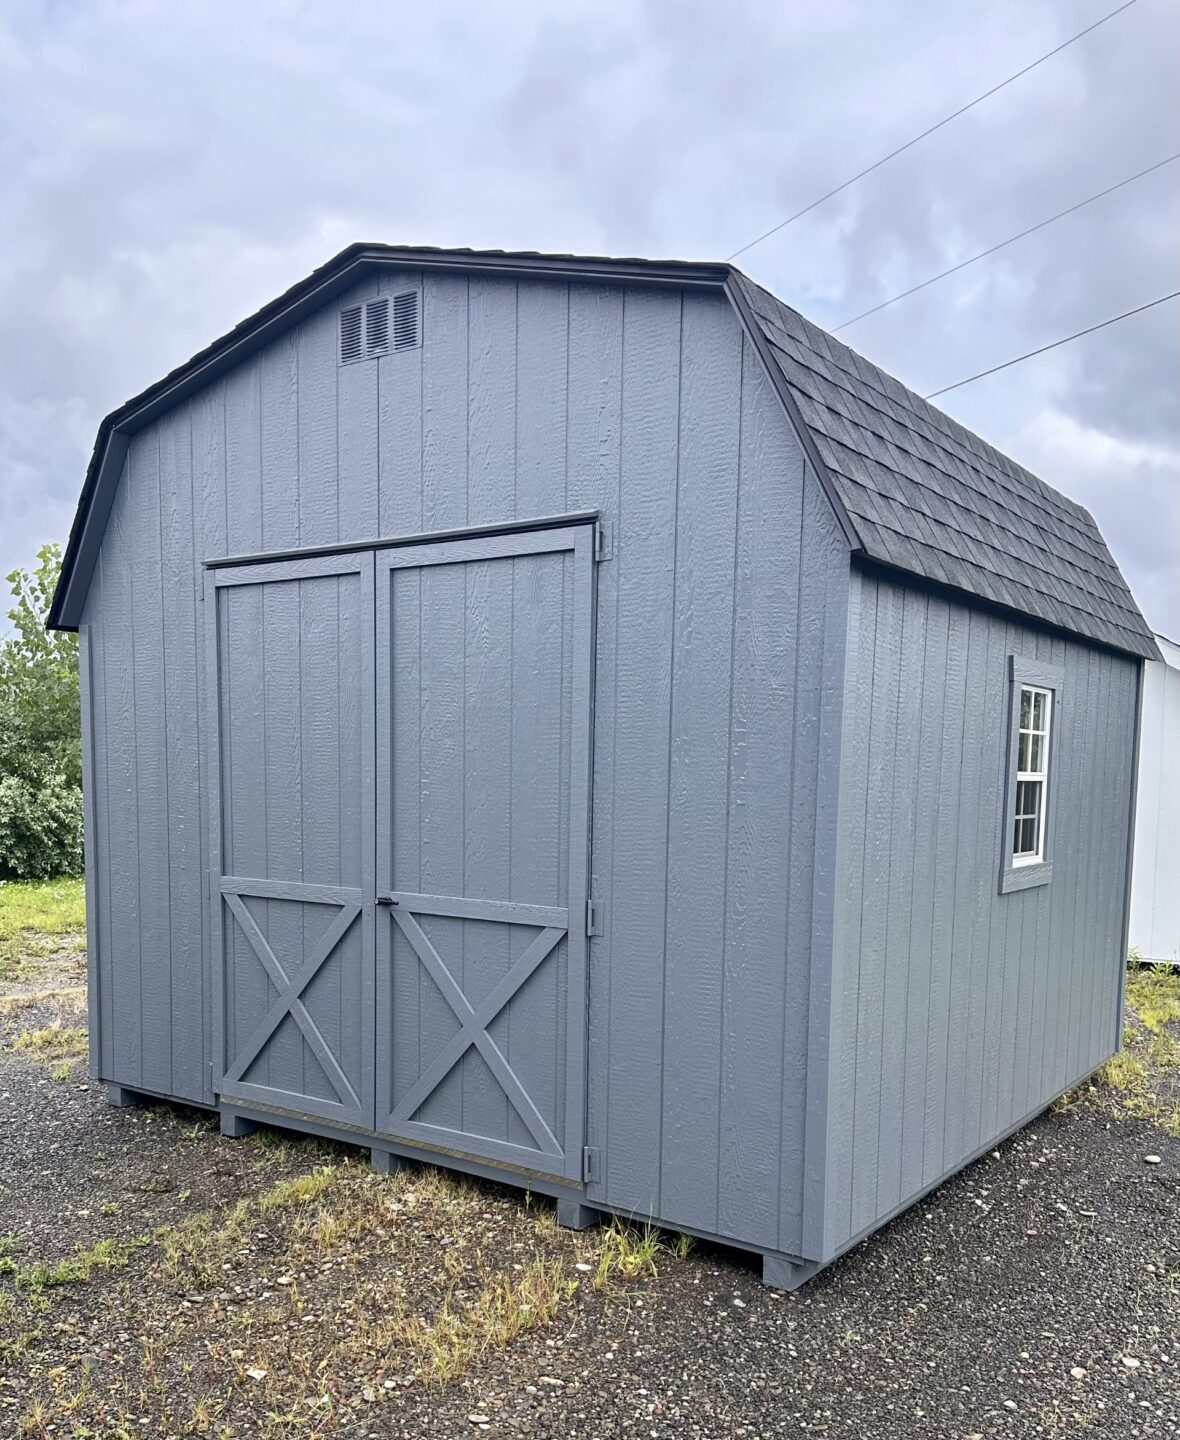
x,y
290,679
484,650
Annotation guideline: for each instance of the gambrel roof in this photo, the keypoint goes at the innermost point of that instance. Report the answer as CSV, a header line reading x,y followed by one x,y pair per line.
x,y
912,488
928,496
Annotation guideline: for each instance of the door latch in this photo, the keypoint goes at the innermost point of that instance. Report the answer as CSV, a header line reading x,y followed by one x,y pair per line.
x,y
386,900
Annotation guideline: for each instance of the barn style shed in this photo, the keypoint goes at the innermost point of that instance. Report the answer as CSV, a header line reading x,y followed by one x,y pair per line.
x,y
574,721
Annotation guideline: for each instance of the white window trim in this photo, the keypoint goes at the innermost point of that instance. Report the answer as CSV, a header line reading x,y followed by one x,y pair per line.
x,y
1039,777
1024,872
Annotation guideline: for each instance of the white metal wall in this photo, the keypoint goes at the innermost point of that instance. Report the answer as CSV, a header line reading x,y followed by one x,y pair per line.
x,y
1155,884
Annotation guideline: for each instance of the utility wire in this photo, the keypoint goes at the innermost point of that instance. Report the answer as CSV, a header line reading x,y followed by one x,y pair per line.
x,y
1089,330
962,110
1032,229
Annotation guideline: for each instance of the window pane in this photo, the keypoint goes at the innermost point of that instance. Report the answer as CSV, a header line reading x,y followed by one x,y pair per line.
x,y
1029,795
1022,752
1025,709
1034,751
1038,710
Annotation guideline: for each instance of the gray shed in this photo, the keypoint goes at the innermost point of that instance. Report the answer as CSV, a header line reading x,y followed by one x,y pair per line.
x,y
574,721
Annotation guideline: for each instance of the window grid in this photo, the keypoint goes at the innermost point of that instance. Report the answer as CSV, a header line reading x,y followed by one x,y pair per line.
x,y
1028,836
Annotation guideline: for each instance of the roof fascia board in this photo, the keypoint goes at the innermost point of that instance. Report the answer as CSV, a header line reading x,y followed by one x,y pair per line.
x,y
757,338
65,611
643,272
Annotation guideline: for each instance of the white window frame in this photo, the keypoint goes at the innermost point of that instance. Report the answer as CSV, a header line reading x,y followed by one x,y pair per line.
x,y
1039,777
1023,872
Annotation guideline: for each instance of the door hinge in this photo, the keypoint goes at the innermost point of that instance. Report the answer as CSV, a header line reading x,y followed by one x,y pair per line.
x,y
593,917
590,1164
602,545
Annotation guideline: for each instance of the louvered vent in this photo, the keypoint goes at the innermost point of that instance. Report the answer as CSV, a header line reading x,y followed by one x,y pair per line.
x,y
351,338
405,320
377,327
365,329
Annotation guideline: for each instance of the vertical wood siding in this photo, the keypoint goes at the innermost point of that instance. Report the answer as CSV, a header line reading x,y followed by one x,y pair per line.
x,y
959,1011
720,637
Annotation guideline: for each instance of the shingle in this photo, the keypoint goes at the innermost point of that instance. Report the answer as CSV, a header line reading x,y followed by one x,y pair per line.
x,y
929,496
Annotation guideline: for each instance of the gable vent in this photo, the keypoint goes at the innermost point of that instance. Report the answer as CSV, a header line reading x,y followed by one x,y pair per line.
x,y
351,342
365,329
405,320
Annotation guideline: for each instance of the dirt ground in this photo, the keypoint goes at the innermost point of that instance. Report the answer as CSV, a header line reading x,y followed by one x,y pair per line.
x,y
158,1280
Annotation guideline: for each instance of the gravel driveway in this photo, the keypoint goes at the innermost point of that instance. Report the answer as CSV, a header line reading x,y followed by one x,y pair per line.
x,y
1037,1293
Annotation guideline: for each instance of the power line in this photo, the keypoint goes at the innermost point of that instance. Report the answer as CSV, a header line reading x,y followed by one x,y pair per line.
x,y
962,110
1077,335
1032,229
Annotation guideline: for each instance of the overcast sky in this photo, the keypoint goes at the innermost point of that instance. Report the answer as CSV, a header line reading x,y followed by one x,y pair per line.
x,y
166,168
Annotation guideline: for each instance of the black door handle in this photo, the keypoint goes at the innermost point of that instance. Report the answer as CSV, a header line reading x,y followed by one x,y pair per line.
x,y
386,900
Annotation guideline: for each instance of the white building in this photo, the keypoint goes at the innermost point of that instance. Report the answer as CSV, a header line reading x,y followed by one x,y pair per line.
x,y
1155,884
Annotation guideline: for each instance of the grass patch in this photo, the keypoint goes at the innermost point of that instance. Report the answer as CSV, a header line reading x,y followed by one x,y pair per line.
x,y
633,1252
54,1041
61,1047
33,914
448,1343
1143,1079
78,1268
307,1308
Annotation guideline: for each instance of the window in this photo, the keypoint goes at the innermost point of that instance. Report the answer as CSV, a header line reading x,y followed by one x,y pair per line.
x,y
1026,835
1032,771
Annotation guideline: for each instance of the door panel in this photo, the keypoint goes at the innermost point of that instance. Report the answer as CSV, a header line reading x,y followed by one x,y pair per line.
x,y
483,733
292,800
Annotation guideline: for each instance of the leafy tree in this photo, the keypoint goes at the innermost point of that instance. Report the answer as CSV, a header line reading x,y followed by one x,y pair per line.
x,y
40,742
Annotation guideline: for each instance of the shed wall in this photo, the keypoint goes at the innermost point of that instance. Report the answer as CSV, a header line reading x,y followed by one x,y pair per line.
x,y
721,628
1155,887
958,1012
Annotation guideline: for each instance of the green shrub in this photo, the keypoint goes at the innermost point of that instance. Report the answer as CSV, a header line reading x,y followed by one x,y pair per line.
x,y
40,750
40,827
40,725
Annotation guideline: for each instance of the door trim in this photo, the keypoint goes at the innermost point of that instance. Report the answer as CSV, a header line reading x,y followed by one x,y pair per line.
x,y
549,1158
224,890
391,542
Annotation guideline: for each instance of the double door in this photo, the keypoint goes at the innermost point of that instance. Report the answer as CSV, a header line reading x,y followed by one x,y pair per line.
x,y
399,800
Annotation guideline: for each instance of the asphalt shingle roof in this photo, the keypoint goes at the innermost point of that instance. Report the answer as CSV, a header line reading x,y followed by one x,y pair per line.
x,y
926,495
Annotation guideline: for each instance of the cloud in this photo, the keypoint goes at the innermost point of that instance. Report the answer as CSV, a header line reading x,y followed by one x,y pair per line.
x,y
165,170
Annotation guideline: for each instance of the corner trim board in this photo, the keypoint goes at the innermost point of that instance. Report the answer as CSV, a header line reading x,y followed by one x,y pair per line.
x,y
1124,953
90,840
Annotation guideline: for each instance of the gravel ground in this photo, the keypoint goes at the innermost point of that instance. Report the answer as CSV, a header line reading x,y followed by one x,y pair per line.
x,y
1037,1293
